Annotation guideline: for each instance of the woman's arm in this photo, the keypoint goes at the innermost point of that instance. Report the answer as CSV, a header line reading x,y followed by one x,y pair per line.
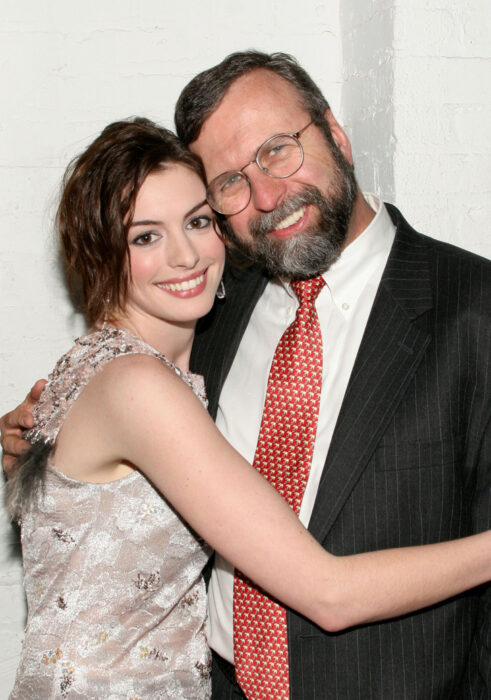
x,y
153,420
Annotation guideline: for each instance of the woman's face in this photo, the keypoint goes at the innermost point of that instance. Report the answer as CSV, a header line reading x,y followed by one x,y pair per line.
x,y
176,256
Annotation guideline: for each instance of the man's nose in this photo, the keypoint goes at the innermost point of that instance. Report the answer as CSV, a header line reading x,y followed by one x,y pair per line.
x,y
266,192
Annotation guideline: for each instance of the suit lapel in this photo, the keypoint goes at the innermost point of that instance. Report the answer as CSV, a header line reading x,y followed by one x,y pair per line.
x,y
219,334
393,344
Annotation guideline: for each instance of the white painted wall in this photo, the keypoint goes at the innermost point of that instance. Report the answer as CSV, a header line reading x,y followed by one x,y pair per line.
x,y
416,102
442,118
410,80
368,89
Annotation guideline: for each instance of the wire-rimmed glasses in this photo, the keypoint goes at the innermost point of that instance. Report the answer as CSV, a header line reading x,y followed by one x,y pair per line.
x,y
279,156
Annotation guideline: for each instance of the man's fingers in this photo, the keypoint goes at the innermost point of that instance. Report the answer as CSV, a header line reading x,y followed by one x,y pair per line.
x,y
21,416
14,445
23,412
9,464
36,390
24,417
12,424
16,420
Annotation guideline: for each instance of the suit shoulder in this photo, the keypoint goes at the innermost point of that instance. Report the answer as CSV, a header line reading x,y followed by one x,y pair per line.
x,y
457,254
459,272
440,251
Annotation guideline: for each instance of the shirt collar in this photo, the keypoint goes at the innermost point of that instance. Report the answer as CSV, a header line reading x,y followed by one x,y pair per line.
x,y
367,253
363,258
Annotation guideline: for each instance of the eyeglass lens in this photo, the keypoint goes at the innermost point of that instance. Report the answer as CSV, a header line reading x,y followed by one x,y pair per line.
x,y
280,156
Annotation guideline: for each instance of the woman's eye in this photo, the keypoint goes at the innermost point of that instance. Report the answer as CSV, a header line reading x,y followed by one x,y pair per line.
x,y
198,222
145,238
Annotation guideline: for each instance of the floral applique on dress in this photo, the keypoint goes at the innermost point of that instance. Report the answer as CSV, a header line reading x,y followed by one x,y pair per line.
x,y
116,599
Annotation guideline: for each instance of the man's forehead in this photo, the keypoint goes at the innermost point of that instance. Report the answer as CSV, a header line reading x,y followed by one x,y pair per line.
x,y
256,106
258,90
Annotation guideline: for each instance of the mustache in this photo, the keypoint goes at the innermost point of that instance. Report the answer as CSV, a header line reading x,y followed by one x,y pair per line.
x,y
268,221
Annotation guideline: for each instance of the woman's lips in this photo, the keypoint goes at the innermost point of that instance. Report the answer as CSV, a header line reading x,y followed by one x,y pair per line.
x,y
183,288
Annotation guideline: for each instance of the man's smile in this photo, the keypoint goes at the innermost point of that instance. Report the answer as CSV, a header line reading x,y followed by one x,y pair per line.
x,y
291,224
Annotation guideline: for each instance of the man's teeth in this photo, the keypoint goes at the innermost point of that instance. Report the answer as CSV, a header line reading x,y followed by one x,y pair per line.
x,y
183,286
292,219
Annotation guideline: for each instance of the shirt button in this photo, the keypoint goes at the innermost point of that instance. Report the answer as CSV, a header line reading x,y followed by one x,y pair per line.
x,y
289,310
345,306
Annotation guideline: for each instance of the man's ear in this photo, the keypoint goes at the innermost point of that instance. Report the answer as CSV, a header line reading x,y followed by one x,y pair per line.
x,y
339,136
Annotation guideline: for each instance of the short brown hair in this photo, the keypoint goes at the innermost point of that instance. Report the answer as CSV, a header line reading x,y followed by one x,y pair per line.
x,y
205,91
97,202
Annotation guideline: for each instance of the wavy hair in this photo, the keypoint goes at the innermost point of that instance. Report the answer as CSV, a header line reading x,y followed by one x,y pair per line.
x,y
97,202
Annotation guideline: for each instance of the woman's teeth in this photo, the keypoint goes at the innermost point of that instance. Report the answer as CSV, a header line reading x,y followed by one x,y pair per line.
x,y
183,286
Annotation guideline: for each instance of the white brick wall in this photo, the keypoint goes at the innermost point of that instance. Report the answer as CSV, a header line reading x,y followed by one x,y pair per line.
x,y
416,101
442,118
411,81
367,92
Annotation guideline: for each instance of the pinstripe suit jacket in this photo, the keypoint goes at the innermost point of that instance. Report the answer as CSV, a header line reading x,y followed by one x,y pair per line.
x,y
409,463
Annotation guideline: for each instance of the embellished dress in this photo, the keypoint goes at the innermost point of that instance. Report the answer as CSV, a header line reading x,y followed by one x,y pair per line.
x,y
112,574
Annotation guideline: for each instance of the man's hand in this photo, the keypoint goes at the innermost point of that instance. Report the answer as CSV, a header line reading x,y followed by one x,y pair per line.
x,y
12,424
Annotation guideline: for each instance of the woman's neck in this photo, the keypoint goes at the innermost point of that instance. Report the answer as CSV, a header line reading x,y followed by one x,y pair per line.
x,y
174,340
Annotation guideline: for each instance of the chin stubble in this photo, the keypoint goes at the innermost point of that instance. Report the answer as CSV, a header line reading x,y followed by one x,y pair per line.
x,y
312,252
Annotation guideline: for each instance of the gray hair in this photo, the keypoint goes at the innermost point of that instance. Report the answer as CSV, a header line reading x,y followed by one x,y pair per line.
x,y
204,92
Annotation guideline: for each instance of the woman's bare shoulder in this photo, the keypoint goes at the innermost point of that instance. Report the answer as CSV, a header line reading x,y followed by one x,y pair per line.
x,y
138,375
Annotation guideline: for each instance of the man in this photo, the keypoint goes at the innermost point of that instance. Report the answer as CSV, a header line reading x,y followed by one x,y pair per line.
x,y
401,453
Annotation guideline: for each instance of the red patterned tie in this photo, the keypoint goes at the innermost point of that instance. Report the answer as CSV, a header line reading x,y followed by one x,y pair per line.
x,y
283,455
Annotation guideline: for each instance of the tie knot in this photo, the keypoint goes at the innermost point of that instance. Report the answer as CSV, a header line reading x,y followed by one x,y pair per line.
x,y
307,291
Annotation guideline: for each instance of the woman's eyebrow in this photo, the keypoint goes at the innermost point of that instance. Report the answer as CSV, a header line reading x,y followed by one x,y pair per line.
x,y
146,222
196,207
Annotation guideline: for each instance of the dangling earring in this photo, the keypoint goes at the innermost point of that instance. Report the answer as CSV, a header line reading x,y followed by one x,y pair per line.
x,y
221,290
105,320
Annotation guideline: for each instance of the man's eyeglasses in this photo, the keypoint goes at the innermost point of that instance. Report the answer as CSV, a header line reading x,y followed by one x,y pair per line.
x,y
280,156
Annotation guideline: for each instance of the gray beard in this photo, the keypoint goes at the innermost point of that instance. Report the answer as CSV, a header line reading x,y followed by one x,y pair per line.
x,y
312,252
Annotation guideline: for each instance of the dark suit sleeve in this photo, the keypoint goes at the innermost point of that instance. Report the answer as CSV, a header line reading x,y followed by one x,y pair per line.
x,y
479,665
479,431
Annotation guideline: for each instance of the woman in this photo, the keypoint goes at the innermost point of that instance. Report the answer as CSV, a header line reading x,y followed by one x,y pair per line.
x,y
112,573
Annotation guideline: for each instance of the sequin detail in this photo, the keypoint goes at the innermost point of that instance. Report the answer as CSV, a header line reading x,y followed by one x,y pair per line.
x,y
76,368
112,574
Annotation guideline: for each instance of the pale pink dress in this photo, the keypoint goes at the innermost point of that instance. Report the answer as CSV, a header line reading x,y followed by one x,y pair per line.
x,y
116,600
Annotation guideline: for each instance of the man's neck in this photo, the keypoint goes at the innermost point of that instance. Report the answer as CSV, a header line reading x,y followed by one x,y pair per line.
x,y
361,218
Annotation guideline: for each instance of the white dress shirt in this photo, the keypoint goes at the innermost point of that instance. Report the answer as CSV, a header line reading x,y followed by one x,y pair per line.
x,y
343,307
